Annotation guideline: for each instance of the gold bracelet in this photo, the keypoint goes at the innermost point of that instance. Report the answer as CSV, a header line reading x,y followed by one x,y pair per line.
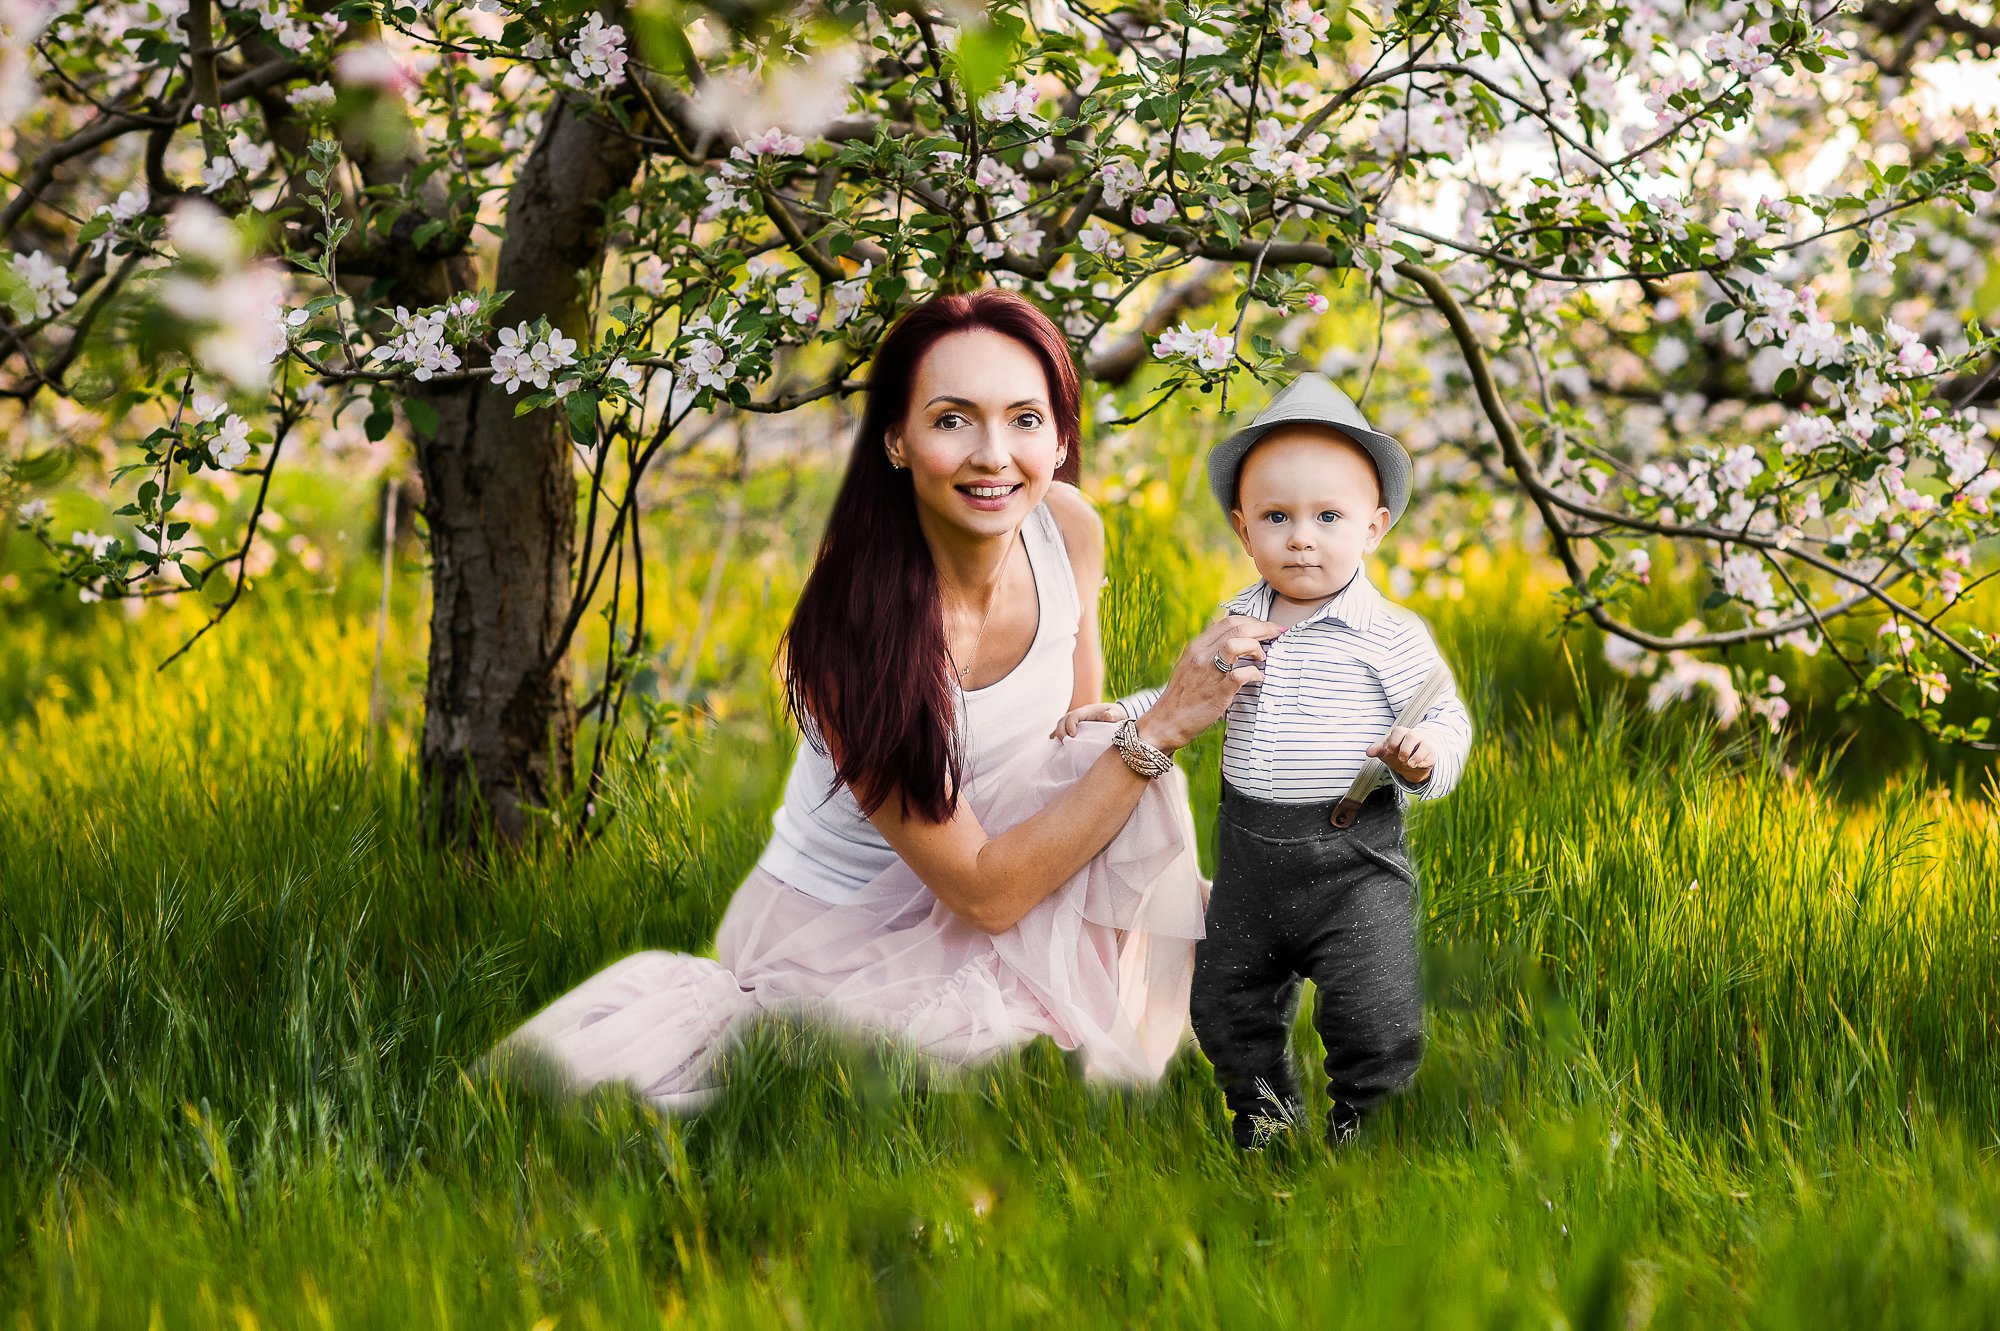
x,y
1141,757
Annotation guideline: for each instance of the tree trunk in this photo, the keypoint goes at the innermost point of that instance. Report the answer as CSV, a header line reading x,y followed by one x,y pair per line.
x,y
500,502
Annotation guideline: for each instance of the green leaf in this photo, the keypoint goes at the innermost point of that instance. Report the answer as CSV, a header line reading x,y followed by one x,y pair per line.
x,y
583,416
380,421
190,573
985,54
422,416
94,228
661,38
1788,379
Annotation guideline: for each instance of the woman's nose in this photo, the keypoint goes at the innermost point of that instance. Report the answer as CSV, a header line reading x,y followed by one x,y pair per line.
x,y
988,449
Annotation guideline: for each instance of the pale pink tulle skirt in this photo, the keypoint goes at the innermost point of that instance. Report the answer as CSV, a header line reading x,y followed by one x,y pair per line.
x,y
1102,966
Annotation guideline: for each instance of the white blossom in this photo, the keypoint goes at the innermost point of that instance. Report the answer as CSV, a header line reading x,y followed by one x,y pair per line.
x,y
1121,179
774,142
1209,348
848,296
1197,141
251,156
1300,25
93,543
1430,126
1272,156
234,314
597,55
47,281
231,445
219,172
1012,101
422,343
1745,577
1742,50
797,304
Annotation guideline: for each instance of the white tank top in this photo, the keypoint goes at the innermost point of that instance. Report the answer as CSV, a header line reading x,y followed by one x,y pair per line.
x,y
822,845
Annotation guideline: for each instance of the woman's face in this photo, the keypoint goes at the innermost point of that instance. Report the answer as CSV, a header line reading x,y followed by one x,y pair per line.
x,y
979,436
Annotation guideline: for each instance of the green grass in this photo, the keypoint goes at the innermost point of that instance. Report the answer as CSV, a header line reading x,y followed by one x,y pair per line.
x,y
1714,1024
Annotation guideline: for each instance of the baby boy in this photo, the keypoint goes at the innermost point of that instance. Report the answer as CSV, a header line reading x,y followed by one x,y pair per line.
x,y
1313,877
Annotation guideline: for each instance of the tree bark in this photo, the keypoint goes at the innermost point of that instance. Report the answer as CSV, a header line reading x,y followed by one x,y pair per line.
x,y
500,503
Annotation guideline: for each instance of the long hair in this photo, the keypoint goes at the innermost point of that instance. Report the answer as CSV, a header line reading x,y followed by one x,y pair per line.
x,y
866,673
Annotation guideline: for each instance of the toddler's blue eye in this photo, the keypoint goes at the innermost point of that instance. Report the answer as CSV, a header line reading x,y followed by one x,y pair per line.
x,y
1275,517
1329,515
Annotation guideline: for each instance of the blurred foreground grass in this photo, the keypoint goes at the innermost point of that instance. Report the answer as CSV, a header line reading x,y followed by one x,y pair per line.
x,y
1713,1032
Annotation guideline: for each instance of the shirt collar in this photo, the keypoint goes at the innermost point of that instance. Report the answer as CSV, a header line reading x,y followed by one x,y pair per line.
x,y
1353,605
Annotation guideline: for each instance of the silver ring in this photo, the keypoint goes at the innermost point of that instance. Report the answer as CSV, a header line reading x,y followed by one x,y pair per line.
x,y
1224,666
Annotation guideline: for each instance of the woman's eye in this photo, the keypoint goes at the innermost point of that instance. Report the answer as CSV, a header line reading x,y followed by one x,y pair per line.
x,y
949,421
1029,420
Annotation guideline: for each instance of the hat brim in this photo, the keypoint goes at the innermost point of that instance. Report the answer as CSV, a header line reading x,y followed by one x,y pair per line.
x,y
1392,460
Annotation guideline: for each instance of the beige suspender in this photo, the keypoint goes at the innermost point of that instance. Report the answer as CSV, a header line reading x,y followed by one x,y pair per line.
x,y
1374,772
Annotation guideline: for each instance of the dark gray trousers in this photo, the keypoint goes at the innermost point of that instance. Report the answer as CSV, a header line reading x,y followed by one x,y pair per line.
x,y
1296,897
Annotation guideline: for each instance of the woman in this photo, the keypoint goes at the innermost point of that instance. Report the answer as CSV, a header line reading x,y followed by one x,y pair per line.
x,y
943,869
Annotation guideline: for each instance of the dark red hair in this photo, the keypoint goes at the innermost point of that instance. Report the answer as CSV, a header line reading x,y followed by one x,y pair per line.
x,y
866,673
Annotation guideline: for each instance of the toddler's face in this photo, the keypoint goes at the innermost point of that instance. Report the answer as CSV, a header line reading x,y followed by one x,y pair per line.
x,y
1309,507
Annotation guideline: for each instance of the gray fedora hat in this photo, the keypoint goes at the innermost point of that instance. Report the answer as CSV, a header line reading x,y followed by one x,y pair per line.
x,y
1313,399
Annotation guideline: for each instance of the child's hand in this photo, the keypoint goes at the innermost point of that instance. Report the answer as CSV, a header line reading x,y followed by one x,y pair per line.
x,y
1407,753
1096,711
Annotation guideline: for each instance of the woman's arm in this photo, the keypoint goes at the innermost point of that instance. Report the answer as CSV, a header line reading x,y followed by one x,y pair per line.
x,y
1083,537
992,881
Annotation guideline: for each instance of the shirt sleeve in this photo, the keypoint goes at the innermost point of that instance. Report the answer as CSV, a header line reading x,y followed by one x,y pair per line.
x,y
1447,725
1136,704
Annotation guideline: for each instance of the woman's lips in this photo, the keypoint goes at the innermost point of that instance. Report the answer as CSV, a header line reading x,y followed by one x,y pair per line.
x,y
988,503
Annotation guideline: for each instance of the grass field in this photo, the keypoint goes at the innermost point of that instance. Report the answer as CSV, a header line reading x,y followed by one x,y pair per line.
x,y
1714,1030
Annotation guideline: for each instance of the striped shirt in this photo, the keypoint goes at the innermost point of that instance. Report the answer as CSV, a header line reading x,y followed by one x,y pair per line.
x,y
1332,686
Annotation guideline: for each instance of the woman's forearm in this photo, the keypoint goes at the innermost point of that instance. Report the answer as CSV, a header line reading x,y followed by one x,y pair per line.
x,y
1017,869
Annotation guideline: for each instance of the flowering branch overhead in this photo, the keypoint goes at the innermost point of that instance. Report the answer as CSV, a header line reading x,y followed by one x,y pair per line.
x,y
1690,279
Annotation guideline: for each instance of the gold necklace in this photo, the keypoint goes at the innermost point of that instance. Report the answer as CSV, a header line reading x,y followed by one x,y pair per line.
x,y
979,638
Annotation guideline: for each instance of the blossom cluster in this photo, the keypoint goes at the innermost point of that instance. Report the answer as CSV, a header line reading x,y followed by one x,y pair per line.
x,y
1300,26
706,362
533,354
1014,103
424,342
1208,349
244,155
596,56
289,25
229,302
47,282
220,432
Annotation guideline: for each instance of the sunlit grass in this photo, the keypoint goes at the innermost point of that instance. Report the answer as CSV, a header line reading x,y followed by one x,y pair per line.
x,y
1713,1024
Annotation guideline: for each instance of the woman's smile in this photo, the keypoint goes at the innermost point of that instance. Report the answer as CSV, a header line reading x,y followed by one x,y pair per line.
x,y
989,496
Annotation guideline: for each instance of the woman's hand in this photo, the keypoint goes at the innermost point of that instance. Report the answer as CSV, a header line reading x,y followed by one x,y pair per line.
x,y
1093,711
1200,692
